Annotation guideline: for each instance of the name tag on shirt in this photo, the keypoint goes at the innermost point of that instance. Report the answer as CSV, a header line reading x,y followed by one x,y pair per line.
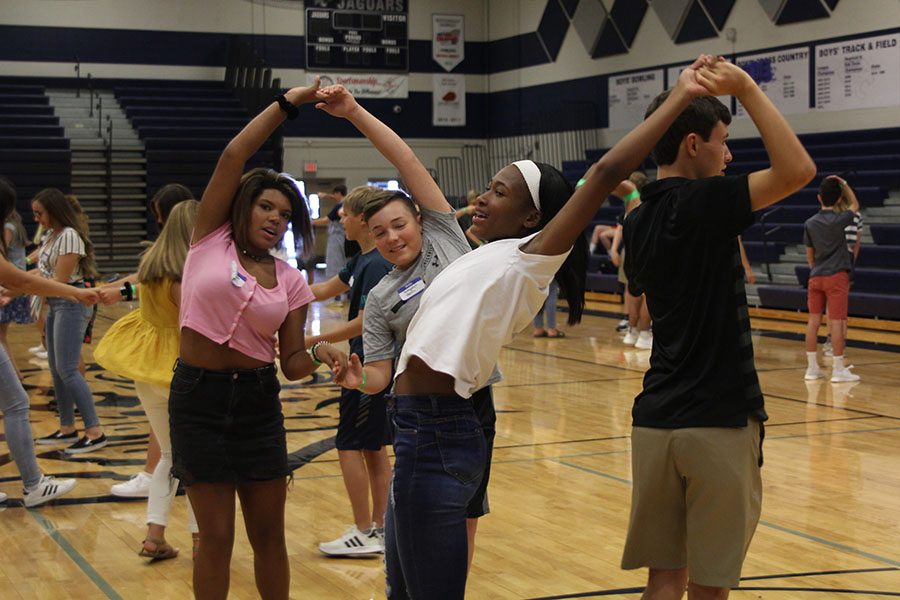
x,y
350,283
411,289
237,280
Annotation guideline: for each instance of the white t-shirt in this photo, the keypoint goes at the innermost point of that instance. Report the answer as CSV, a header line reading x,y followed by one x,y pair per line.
x,y
475,306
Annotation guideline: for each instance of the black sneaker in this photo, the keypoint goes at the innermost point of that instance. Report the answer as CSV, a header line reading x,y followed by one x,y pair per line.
x,y
57,437
86,444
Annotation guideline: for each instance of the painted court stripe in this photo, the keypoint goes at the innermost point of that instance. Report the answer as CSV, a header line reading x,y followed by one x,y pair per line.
x,y
789,531
77,558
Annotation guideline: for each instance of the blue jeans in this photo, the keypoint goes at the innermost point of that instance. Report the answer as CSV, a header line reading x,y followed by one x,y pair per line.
x,y
549,308
14,406
66,324
440,457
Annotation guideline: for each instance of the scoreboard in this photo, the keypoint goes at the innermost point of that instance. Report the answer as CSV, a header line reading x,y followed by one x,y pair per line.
x,y
357,35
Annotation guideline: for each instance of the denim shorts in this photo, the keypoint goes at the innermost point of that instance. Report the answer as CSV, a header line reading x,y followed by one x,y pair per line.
x,y
226,426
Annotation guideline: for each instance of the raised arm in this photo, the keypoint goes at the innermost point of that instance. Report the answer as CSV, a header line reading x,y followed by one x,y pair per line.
x,y
848,193
215,205
791,166
338,102
607,173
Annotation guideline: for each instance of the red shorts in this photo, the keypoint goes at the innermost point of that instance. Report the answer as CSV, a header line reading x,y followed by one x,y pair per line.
x,y
833,288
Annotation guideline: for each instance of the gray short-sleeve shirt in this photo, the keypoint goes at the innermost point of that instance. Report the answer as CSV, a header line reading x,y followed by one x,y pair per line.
x,y
387,316
824,233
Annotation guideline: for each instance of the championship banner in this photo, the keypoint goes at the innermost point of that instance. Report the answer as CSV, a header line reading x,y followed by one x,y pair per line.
x,y
783,76
448,100
862,73
366,85
448,40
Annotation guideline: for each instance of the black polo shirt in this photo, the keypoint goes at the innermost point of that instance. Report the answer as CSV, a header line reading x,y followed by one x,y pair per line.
x,y
683,254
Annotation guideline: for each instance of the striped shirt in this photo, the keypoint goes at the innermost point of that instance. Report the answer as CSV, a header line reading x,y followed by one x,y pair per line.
x,y
67,242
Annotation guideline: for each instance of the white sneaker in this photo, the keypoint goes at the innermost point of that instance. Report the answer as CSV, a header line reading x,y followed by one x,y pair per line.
x,y
48,489
813,373
42,354
644,341
136,487
827,349
631,337
354,542
36,349
3,497
841,375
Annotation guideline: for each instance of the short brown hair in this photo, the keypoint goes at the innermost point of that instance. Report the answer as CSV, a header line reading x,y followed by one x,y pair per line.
x,y
376,203
700,117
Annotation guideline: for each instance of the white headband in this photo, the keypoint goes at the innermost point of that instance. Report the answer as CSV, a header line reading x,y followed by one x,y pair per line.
x,y
532,175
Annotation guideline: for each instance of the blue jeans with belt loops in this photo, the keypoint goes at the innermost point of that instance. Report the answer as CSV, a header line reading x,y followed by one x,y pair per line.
x,y
439,461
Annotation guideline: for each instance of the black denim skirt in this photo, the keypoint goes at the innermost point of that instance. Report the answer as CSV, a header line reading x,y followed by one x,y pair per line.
x,y
226,426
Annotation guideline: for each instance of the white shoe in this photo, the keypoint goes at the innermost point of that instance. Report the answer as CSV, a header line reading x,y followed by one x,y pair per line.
x,y
644,341
36,349
841,375
354,542
48,489
136,487
827,350
813,373
3,497
631,337
42,354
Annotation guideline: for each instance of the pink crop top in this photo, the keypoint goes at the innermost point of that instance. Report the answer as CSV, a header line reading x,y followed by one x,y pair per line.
x,y
223,302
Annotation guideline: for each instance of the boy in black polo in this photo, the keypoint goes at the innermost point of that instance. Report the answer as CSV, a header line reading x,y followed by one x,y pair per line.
x,y
363,426
696,441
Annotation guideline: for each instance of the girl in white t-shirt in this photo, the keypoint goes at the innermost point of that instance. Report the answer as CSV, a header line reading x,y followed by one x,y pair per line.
x,y
466,314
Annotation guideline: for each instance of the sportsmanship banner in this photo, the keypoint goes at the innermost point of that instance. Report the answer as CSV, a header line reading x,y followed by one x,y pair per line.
x,y
783,76
630,95
862,73
367,85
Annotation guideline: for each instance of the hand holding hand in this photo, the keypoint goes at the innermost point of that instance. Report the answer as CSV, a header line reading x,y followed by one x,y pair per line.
x,y
723,78
303,95
109,295
688,80
333,358
337,101
352,377
87,296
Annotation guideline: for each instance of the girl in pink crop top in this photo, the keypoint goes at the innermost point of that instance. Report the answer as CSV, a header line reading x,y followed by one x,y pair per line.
x,y
227,427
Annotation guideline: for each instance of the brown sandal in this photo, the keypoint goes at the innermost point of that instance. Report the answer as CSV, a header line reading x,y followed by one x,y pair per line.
x,y
163,550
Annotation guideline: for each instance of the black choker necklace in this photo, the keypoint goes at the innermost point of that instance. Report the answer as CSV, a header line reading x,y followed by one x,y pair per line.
x,y
254,257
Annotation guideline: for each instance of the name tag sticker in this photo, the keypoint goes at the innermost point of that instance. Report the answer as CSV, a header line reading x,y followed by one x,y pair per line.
x,y
411,289
350,283
237,280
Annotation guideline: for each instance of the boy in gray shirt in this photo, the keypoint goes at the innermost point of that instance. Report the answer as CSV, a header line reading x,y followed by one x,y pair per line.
x,y
829,278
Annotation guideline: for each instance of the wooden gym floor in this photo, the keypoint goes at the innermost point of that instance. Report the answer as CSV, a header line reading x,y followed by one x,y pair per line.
x,y
560,486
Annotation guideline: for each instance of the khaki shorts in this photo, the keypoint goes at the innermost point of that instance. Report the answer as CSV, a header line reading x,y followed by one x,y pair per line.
x,y
696,500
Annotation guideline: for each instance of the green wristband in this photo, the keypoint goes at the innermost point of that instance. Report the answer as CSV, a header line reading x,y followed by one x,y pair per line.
x,y
631,196
363,384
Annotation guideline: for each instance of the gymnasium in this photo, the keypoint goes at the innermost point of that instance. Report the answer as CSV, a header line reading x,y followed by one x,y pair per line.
x,y
112,100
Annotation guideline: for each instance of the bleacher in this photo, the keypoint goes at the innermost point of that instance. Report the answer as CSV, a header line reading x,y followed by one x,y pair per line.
x,y
184,127
870,161
34,152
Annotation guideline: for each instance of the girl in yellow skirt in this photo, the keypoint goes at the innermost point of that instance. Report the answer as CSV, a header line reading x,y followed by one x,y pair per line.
x,y
143,346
